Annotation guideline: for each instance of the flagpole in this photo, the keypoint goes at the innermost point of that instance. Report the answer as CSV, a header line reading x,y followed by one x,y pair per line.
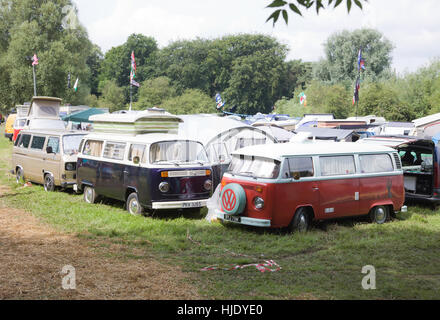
x,y
35,84
131,95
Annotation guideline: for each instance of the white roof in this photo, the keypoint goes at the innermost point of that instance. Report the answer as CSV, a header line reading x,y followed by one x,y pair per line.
x,y
426,120
280,150
132,117
140,138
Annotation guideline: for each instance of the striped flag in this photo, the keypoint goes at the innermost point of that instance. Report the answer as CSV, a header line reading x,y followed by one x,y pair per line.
x,y
133,67
75,87
361,61
356,91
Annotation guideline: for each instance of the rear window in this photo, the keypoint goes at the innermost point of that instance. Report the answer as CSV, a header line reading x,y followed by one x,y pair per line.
x,y
25,139
256,167
375,163
38,142
300,167
337,165
93,148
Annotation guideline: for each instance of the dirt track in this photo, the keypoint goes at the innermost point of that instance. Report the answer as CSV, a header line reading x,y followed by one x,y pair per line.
x,y
32,256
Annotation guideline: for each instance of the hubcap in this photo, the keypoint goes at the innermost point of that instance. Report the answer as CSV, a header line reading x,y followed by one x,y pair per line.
x,y
48,184
380,215
302,224
133,206
19,176
89,195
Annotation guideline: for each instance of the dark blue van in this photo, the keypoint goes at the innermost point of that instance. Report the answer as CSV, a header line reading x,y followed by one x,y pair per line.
x,y
147,171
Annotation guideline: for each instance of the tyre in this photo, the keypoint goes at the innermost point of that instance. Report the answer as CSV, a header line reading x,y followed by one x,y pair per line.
x,y
89,194
133,205
379,214
49,183
19,177
301,222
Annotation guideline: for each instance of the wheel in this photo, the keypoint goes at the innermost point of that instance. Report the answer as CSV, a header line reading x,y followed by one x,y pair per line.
x,y
379,214
301,221
19,177
133,205
49,183
89,194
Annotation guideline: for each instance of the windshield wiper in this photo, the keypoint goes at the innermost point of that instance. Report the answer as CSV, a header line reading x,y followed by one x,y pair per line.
x,y
247,173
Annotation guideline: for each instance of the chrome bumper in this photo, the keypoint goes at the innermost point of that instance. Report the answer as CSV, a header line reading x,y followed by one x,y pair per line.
x,y
179,204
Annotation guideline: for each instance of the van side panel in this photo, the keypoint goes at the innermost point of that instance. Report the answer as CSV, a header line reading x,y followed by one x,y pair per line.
x,y
380,191
338,198
87,172
109,182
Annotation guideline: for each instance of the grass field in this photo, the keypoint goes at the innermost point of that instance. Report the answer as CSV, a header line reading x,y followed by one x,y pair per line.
x,y
325,263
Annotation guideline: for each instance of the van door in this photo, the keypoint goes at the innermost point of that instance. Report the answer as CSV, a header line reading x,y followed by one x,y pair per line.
x,y
338,187
111,182
53,160
36,158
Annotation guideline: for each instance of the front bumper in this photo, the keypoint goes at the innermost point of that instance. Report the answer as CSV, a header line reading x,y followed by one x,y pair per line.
x,y
245,220
179,204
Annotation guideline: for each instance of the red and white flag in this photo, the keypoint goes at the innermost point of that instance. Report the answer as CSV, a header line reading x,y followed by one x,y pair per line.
x,y
34,60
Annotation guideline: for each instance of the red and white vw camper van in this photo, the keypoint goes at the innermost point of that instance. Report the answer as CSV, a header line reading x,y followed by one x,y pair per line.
x,y
290,185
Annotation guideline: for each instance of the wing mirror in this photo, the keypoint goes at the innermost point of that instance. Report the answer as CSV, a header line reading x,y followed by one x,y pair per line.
x,y
136,160
49,150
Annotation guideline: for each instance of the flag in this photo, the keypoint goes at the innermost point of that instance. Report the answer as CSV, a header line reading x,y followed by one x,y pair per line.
x,y
218,100
68,80
34,60
134,83
356,91
302,98
361,61
75,87
133,67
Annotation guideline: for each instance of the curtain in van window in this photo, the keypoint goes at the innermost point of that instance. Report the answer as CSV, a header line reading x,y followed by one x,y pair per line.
x,y
337,165
93,148
373,163
137,150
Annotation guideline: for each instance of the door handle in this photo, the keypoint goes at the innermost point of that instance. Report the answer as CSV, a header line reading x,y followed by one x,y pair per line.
x,y
315,188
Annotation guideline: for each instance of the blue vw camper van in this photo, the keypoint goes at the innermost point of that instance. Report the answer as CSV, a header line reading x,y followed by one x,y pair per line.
x,y
144,163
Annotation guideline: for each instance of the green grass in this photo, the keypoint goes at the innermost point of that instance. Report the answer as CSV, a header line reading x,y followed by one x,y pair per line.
x,y
325,263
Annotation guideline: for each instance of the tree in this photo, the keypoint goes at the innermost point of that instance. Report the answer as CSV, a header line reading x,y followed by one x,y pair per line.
x,y
112,96
298,6
341,56
154,92
192,101
36,26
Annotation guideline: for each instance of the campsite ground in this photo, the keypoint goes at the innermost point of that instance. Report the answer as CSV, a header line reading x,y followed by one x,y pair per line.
x,y
116,255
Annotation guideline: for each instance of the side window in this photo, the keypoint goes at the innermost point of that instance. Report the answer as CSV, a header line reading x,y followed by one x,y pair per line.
x,y
137,150
114,150
337,165
93,148
374,163
54,142
38,142
25,139
17,141
300,167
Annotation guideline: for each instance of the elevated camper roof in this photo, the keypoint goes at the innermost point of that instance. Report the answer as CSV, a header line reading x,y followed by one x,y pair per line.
x,y
279,151
135,123
45,107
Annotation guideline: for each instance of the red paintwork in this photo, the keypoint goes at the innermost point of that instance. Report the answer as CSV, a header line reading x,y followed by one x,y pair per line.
x,y
281,200
16,132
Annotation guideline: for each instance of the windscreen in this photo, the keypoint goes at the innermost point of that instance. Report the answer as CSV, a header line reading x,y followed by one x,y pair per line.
x,y
71,143
256,167
177,152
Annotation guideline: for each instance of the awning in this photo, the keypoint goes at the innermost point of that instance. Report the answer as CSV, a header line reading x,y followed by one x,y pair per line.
x,y
83,116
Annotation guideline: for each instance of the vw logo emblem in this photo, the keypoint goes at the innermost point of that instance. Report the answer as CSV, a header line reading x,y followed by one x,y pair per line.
x,y
229,200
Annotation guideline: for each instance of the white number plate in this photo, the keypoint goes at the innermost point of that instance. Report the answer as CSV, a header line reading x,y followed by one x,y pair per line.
x,y
197,204
232,218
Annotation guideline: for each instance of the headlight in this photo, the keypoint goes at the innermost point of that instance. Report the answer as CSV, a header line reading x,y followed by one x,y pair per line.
x,y
207,185
258,203
70,166
164,187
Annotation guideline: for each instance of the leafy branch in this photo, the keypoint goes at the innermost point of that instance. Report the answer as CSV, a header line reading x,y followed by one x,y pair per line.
x,y
297,7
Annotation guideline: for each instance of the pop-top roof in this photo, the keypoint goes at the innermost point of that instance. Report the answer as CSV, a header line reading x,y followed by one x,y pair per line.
x,y
45,107
134,123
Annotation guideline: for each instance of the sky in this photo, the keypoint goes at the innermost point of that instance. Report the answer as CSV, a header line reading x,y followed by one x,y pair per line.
x,y
412,26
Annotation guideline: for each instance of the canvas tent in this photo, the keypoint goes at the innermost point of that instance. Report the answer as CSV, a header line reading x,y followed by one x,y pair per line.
x,y
83,116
